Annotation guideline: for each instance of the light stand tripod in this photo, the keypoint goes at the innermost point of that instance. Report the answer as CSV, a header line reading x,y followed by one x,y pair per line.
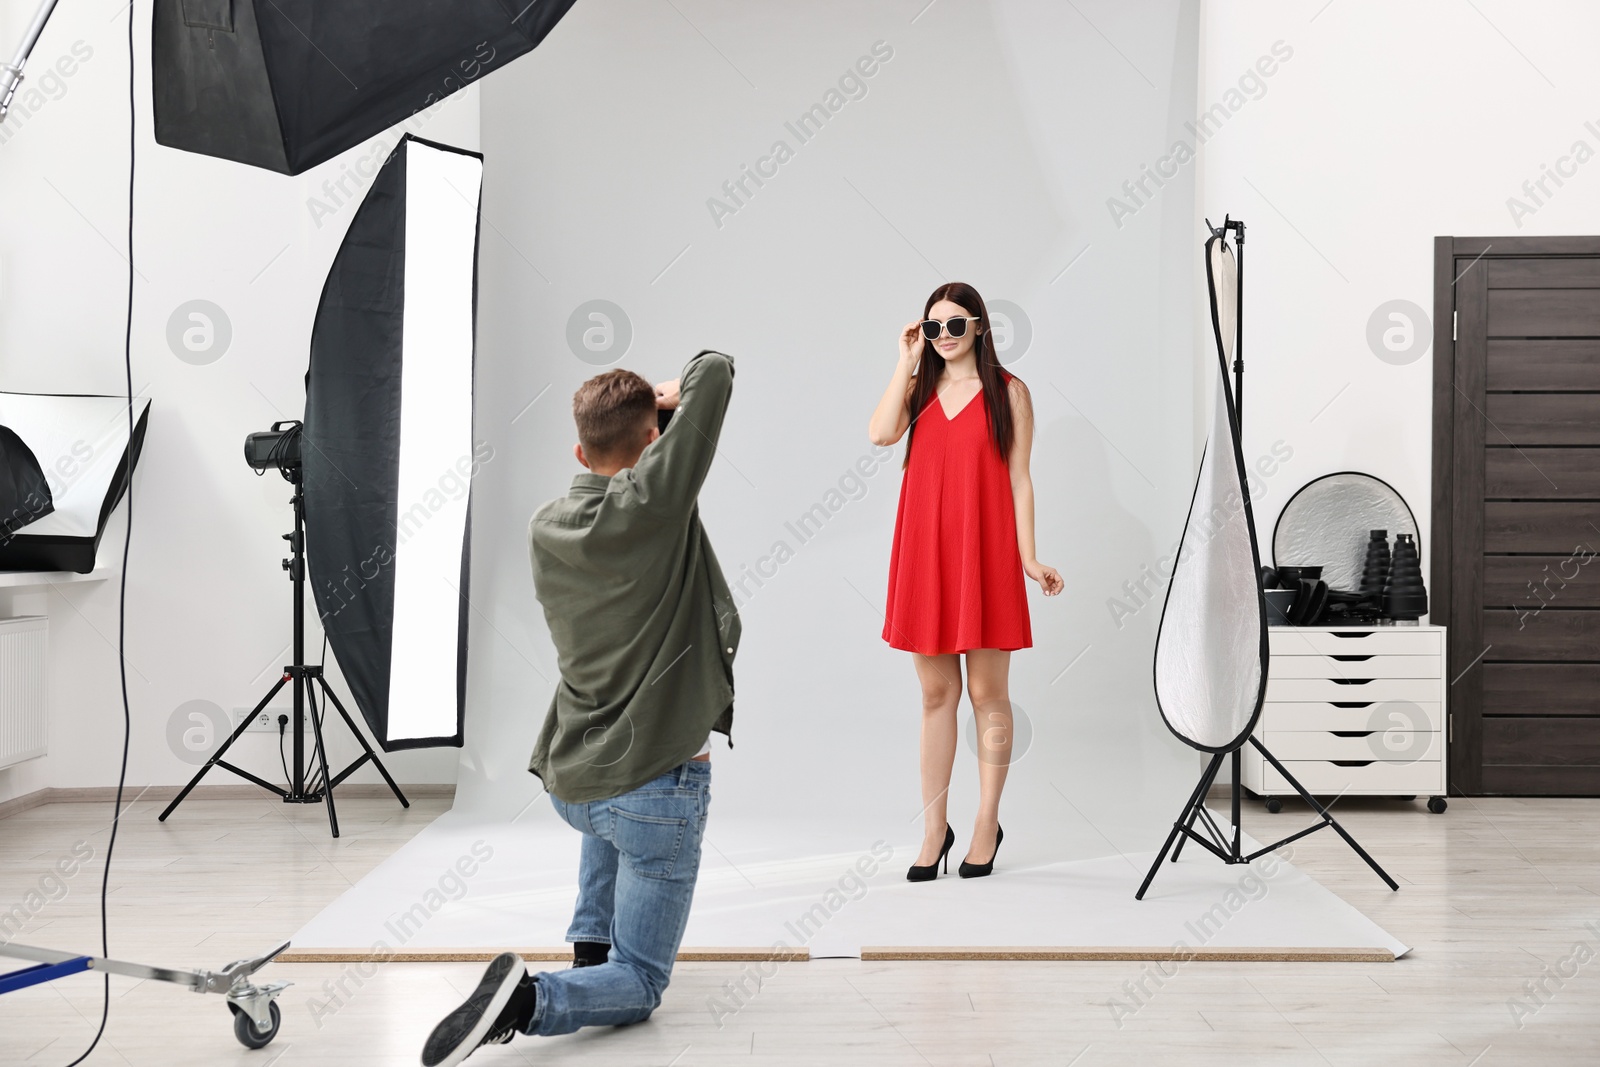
x,y
307,679
1228,849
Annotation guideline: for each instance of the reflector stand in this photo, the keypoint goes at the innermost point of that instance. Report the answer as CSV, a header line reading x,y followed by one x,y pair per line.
x,y
1199,710
1228,850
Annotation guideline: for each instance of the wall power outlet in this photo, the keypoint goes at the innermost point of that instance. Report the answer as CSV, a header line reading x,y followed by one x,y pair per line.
x,y
266,720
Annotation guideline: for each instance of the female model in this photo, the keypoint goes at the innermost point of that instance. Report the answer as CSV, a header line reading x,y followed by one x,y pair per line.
x,y
963,539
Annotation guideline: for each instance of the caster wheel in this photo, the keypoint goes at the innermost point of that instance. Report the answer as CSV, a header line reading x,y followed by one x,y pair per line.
x,y
1437,805
244,1027
1274,805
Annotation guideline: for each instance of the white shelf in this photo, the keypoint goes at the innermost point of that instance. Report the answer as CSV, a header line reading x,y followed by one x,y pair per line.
x,y
43,579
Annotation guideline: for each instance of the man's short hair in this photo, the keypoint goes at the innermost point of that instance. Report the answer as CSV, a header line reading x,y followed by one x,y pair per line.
x,y
614,412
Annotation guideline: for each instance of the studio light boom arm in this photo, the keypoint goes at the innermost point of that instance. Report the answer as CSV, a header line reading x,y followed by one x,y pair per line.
x,y
11,73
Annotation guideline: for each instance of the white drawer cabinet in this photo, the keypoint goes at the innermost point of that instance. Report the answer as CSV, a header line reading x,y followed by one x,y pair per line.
x,y
1353,711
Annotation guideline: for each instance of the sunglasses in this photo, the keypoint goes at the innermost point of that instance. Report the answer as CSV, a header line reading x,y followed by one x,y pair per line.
x,y
956,327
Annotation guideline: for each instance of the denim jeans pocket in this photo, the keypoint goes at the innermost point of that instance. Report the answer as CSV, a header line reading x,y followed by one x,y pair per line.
x,y
648,843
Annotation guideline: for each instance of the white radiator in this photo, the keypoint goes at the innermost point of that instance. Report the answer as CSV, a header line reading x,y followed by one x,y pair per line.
x,y
24,720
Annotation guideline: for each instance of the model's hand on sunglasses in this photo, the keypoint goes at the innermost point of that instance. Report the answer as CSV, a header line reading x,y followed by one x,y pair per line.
x,y
911,344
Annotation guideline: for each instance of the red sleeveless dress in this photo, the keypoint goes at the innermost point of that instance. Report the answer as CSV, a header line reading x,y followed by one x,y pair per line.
x,y
955,573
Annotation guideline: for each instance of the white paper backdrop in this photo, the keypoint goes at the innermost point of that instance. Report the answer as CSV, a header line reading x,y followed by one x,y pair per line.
x,y
992,143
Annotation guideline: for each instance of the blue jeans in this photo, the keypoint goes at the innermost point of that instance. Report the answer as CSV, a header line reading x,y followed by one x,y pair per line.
x,y
641,856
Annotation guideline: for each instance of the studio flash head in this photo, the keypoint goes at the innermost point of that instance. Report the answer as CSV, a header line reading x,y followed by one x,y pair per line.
x,y
274,449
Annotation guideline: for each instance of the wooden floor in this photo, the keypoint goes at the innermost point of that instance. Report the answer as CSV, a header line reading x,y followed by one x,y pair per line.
x,y
1494,895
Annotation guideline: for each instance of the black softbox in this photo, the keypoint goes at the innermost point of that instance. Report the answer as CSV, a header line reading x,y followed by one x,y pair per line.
x,y
288,84
81,449
24,488
387,447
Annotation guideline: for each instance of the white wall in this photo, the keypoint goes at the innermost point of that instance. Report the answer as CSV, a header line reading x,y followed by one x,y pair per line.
x,y
983,150
1387,124
1390,124
208,606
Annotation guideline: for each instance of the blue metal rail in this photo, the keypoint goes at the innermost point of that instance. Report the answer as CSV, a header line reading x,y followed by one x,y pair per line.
x,y
42,972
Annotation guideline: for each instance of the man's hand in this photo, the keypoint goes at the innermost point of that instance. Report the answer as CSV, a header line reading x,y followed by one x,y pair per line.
x,y
667,395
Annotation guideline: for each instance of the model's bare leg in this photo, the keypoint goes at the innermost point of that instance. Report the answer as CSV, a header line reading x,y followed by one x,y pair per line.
x,y
941,692
989,686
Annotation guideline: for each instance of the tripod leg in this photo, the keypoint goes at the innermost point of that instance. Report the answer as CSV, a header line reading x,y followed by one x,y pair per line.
x,y
1205,788
1237,785
322,755
1327,818
1156,865
1187,814
376,762
218,754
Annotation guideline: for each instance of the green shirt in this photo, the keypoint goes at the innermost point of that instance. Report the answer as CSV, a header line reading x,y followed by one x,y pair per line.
x,y
644,626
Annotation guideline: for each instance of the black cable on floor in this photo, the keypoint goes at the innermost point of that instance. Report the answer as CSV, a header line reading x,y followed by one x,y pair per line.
x,y
122,587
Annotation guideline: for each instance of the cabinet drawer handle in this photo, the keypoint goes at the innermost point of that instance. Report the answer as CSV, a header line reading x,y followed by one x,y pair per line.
x,y
1352,733
1349,681
1351,659
1352,703
1352,762
1357,634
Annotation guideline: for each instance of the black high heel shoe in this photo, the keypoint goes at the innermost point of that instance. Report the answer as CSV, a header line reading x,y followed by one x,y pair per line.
x,y
978,870
931,871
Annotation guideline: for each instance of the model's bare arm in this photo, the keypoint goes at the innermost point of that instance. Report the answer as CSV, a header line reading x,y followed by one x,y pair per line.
x,y
1049,578
893,415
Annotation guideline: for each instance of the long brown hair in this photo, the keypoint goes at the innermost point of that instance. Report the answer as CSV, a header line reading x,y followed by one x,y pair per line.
x,y
996,395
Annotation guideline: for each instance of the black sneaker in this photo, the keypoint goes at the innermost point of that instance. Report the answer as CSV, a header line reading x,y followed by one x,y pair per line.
x,y
487,1018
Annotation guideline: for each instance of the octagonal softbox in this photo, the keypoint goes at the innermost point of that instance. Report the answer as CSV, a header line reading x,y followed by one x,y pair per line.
x,y
288,84
1211,645
387,447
